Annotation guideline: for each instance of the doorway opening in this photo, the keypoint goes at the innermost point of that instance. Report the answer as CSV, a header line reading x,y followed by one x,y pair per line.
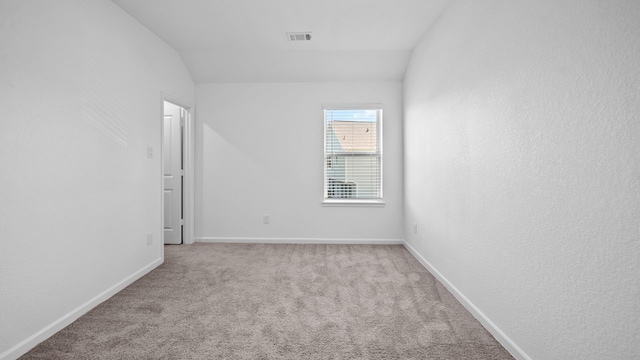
x,y
177,170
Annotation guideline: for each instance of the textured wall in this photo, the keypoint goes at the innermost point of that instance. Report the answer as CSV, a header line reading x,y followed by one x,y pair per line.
x,y
259,150
80,83
522,125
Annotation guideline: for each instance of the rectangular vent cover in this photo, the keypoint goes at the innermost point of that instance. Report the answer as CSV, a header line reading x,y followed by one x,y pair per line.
x,y
299,36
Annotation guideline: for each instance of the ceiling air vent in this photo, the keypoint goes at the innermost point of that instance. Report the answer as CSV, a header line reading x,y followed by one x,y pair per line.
x,y
299,36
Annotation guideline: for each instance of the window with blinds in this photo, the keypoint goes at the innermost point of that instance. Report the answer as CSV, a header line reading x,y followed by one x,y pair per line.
x,y
353,154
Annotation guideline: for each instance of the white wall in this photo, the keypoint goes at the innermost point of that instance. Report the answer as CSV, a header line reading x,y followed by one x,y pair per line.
x,y
80,84
259,150
523,169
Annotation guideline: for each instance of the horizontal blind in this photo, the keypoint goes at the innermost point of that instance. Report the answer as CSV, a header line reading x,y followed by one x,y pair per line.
x,y
353,156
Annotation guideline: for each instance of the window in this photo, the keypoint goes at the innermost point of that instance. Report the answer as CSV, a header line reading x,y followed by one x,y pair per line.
x,y
353,154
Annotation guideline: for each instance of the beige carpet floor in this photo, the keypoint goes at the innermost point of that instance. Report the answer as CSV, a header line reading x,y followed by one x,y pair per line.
x,y
278,301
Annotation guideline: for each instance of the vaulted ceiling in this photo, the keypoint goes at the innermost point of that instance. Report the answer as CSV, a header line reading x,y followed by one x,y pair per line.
x,y
245,40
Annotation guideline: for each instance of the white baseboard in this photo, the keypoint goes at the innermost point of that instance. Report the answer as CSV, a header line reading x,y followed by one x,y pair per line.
x,y
502,338
24,346
298,240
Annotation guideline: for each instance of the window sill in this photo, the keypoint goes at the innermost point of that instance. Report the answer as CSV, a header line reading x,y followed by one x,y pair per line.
x,y
354,203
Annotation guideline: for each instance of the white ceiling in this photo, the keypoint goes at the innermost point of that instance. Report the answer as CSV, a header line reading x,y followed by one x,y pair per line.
x,y
245,40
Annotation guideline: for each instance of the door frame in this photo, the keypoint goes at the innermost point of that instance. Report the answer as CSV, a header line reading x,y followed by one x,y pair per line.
x,y
188,163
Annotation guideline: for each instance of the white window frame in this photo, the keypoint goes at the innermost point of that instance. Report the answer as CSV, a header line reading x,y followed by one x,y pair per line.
x,y
379,132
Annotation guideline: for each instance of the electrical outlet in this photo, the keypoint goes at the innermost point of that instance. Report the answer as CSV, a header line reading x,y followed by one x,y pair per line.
x,y
415,228
149,239
266,218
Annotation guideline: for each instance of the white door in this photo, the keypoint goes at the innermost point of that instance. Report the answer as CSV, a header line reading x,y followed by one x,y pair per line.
x,y
173,172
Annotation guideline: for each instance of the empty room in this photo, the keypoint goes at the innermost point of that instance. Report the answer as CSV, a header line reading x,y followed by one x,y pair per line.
x,y
320,179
